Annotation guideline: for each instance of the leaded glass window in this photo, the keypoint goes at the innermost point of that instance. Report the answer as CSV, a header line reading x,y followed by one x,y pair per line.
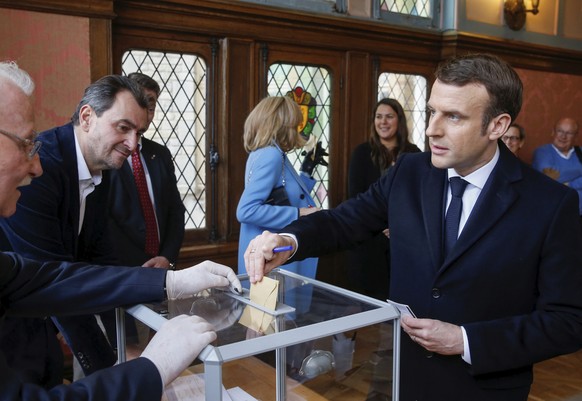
x,y
410,91
180,120
316,81
419,8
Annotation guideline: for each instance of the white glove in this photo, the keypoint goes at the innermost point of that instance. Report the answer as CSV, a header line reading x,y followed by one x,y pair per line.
x,y
190,281
177,344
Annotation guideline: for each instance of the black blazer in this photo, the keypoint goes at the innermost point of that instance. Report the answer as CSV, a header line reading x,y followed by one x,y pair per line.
x,y
512,281
126,222
29,288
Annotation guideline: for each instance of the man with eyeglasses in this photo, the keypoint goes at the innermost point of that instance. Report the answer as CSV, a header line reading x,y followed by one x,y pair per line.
x,y
561,159
514,138
31,288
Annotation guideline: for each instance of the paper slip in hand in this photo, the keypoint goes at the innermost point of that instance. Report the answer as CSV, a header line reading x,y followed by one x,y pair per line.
x,y
402,308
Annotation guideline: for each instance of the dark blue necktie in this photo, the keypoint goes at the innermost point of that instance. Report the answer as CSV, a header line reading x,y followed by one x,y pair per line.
x,y
454,212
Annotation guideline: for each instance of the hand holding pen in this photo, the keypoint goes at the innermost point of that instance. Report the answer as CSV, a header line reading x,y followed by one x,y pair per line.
x,y
265,252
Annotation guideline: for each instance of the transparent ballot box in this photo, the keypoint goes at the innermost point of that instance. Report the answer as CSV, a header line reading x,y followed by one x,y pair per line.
x,y
321,342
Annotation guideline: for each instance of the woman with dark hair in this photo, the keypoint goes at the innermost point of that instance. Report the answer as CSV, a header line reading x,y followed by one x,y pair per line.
x,y
369,264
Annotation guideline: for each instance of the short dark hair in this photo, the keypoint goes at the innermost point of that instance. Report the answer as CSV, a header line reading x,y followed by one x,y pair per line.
x,y
100,95
145,82
502,83
520,129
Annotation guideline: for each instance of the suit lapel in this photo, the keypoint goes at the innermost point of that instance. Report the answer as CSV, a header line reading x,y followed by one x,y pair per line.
x,y
432,195
65,135
495,199
152,161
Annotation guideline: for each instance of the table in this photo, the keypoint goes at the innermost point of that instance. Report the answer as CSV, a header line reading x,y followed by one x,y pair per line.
x,y
313,333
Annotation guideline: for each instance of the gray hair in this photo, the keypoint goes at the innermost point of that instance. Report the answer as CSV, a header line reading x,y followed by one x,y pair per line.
x,y
9,70
101,94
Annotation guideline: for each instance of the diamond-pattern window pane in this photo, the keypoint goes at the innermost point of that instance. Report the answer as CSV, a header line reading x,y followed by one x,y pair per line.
x,y
317,81
180,120
410,91
419,8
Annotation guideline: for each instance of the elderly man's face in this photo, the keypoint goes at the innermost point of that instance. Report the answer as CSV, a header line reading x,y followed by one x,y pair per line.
x,y
564,134
16,169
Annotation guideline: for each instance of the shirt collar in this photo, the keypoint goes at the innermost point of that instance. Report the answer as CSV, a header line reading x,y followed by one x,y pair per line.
x,y
563,155
478,177
82,168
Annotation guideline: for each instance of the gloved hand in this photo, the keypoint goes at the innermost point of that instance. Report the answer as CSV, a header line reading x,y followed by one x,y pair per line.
x,y
313,158
187,282
177,344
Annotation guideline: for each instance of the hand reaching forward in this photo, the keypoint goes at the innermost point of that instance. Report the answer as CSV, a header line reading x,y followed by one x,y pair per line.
x,y
187,282
434,335
260,258
177,344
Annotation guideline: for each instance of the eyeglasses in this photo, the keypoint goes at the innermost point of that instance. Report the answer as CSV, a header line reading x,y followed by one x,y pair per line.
x,y
567,133
30,146
507,138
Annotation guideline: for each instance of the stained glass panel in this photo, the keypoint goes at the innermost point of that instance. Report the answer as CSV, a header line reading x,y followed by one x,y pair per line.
x,y
317,81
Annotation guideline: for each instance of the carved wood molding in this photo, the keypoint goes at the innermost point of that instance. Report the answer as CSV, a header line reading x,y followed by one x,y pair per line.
x,y
220,18
80,8
519,54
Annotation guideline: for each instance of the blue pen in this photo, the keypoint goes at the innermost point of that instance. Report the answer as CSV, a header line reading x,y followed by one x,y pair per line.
x,y
282,249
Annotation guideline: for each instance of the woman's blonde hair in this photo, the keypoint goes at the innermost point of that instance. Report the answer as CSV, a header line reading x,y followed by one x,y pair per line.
x,y
274,119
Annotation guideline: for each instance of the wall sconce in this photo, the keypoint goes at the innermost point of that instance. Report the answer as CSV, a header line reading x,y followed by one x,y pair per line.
x,y
515,11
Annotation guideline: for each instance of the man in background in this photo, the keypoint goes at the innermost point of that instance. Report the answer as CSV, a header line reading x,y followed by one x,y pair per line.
x,y
145,213
562,159
30,288
127,222
514,138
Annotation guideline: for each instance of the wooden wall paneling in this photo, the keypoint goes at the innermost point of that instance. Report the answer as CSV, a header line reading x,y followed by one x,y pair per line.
x,y
518,54
273,25
238,91
359,98
80,8
100,40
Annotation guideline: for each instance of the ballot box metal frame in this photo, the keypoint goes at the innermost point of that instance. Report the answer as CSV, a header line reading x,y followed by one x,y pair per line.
x,y
213,357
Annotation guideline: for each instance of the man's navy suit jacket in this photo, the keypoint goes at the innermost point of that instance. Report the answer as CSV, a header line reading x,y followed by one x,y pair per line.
x,y
126,227
29,288
513,280
45,228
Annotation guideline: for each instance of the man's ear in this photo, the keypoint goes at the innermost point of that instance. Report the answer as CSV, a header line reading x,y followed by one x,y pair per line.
x,y
85,115
498,126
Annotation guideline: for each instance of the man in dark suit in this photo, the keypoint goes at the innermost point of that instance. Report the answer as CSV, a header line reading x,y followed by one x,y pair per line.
x,y
126,219
62,216
504,293
127,225
30,288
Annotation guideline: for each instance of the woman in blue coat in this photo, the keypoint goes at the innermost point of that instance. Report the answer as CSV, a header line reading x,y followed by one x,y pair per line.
x,y
270,132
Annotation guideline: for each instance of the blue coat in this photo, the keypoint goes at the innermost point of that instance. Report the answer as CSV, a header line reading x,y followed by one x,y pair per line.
x,y
263,172
29,288
512,280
